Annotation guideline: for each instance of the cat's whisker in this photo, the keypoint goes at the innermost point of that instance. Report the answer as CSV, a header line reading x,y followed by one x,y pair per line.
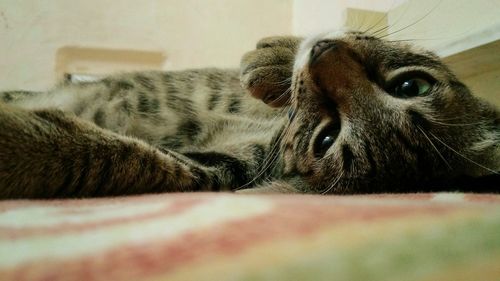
x,y
380,20
380,30
435,148
266,163
413,23
457,124
445,121
283,82
463,156
359,22
271,157
274,154
450,118
413,39
333,184
286,92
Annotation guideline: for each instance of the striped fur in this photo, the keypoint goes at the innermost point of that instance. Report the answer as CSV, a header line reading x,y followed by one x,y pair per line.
x,y
200,130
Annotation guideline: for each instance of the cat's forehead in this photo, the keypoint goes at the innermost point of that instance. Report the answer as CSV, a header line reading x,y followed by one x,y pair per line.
x,y
386,54
358,40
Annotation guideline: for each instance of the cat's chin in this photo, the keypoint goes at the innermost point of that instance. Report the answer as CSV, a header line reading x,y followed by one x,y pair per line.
x,y
490,164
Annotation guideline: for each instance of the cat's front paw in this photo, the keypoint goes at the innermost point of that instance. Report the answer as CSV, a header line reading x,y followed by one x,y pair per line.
x,y
266,72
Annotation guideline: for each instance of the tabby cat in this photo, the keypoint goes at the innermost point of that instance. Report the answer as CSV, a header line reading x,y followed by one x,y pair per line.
x,y
346,113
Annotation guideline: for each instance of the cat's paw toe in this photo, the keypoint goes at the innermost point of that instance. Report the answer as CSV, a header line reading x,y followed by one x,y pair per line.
x,y
266,71
290,42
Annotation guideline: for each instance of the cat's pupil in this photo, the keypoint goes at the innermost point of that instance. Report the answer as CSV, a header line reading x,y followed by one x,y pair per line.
x,y
326,138
409,86
325,144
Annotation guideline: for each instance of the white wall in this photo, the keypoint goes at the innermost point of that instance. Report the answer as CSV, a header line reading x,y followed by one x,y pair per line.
x,y
191,33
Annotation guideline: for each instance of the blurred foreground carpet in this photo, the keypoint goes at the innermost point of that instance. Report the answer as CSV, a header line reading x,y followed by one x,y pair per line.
x,y
210,236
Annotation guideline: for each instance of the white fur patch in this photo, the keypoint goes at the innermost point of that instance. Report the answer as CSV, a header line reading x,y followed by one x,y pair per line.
x,y
57,99
302,57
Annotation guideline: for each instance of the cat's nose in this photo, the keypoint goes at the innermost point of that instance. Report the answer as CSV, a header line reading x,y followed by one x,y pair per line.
x,y
337,72
320,48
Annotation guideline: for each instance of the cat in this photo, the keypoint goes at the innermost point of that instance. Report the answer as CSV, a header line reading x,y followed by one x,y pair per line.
x,y
339,113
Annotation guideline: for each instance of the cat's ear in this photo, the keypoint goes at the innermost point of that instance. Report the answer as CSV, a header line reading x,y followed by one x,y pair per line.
x,y
275,187
266,72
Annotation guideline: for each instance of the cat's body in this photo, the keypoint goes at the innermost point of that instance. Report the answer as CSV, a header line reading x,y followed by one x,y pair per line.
x,y
186,111
204,115
345,131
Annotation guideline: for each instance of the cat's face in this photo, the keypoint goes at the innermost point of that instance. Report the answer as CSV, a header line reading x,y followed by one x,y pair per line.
x,y
369,115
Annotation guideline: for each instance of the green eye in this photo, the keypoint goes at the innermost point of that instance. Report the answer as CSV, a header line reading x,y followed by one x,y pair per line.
x,y
409,88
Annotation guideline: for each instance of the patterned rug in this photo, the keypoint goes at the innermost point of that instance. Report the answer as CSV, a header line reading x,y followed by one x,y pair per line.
x,y
209,236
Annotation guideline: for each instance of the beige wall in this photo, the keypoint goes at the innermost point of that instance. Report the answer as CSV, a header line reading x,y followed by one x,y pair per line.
x,y
446,26
201,33
313,16
190,33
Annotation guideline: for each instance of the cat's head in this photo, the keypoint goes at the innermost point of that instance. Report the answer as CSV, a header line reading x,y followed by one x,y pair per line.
x,y
368,115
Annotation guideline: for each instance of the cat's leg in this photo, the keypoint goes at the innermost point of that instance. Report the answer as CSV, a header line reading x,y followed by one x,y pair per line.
x,y
267,71
13,96
49,154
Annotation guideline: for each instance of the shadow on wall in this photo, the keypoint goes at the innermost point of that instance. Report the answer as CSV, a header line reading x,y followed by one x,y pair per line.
x,y
84,61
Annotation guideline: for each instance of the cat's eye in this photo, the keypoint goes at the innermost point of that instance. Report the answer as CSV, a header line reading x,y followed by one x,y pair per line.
x,y
326,139
412,88
411,84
